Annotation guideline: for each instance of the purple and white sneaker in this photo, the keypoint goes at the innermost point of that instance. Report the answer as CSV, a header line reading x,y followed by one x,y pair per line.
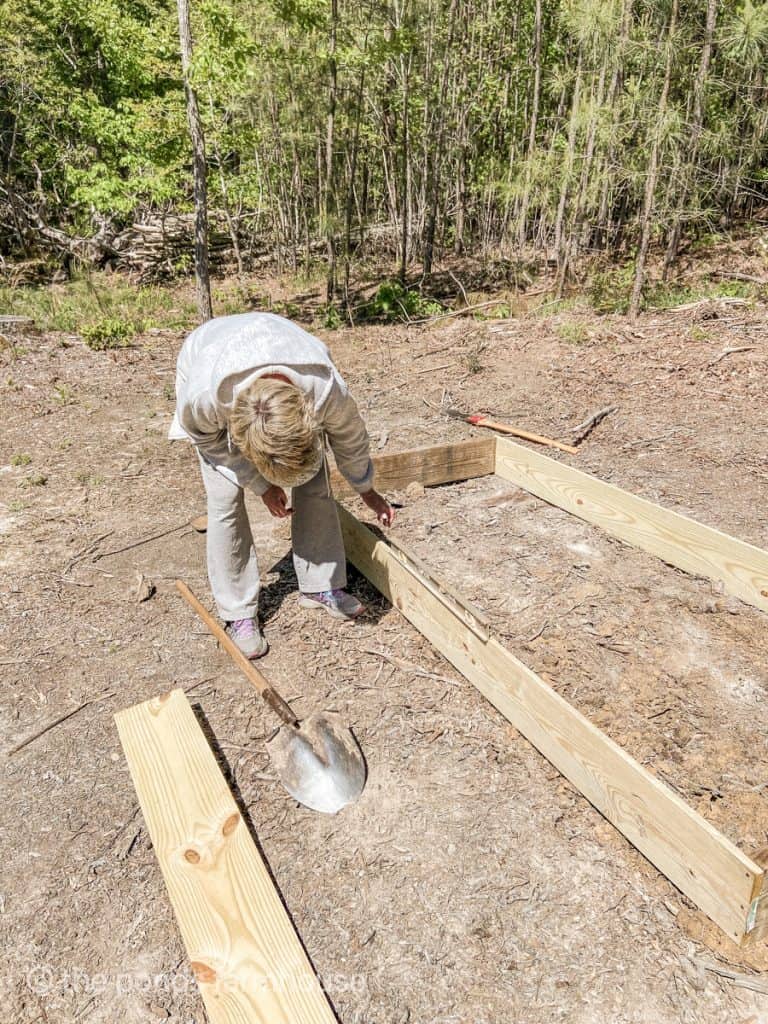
x,y
338,603
247,636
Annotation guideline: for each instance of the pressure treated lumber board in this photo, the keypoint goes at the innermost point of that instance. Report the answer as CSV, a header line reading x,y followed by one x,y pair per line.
x,y
698,859
436,464
742,568
247,959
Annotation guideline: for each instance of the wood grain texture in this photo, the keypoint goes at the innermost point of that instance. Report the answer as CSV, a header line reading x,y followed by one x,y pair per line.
x,y
692,854
757,922
247,959
676,539
437,464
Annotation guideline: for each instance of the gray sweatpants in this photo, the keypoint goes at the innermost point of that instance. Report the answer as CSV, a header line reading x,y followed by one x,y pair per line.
x,y
233,571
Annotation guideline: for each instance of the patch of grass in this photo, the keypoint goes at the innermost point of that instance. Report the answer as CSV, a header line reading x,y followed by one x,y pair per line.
x,y
393,302
610,290
667,296
17,506
64,394
552,307
87,479
472,359
110,333
330,317
287,309
21,459
696,333
14,350
89,297
574,332
36,480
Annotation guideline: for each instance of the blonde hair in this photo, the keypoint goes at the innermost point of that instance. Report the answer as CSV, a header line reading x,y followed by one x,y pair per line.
x,y
273,424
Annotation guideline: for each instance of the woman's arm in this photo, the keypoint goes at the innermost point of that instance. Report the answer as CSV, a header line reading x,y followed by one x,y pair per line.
x,y
351,446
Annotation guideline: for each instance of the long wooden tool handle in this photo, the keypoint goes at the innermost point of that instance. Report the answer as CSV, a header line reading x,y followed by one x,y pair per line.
x,y
271,696
504,428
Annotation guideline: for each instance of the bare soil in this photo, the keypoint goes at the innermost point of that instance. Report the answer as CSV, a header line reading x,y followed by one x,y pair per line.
x,y
471,883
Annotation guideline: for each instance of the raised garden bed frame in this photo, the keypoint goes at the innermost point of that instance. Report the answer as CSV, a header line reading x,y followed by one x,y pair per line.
x,y
729,886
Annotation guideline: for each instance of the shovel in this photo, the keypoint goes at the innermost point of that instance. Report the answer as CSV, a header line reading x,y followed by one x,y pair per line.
x,y
318,760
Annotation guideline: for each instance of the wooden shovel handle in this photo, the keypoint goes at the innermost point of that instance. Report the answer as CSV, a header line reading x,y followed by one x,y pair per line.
x,y
504,428
271,696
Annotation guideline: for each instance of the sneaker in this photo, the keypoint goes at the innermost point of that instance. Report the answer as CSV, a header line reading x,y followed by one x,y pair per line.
x,y
338,603
247,636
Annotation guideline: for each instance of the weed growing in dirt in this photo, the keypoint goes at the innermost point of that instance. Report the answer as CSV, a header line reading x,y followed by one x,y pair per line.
x,y
14,350
393,302
88,479
21,459
472,359
109,334
17,506
36,480
64,394
573,332
696,333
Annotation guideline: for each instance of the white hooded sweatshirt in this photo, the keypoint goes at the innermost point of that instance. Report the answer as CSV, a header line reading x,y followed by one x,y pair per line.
x,y
225,355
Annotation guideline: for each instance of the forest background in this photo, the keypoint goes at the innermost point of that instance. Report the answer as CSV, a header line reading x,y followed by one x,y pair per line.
x,y
383,138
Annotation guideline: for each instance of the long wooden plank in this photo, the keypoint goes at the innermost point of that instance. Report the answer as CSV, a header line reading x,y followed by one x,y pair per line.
x,y
678,540
693,855
436,464
247,959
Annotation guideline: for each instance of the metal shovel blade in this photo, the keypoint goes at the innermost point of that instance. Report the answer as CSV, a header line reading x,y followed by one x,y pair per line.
x,y
320,763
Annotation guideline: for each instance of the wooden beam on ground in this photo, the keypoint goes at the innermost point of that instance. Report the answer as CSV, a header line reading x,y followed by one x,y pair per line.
x,y
244,952
698,549
437,464
693,855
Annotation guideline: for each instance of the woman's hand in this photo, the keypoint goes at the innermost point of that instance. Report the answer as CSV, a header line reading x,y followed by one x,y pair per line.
x,y
380,506
276,501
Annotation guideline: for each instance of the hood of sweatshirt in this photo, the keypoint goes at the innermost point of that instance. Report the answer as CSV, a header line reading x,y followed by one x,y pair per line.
x,y
226,354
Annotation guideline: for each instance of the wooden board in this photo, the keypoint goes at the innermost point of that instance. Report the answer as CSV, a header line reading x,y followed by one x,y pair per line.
x,y
698,549
701,862
437,464
247,959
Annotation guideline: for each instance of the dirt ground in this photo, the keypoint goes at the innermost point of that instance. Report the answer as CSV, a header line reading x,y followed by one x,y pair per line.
x,y
471,884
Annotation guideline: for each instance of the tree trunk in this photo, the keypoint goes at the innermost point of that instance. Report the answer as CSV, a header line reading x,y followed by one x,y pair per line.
x,y
522,226
696,128
653,171
433,174
330,190
197,138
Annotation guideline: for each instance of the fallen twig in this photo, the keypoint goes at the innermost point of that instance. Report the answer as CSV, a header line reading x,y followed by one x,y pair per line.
x,y
729,352
87,550
734,276
407,666
429,369
724,300
454,312
144,540
590,423
56,721
739,978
